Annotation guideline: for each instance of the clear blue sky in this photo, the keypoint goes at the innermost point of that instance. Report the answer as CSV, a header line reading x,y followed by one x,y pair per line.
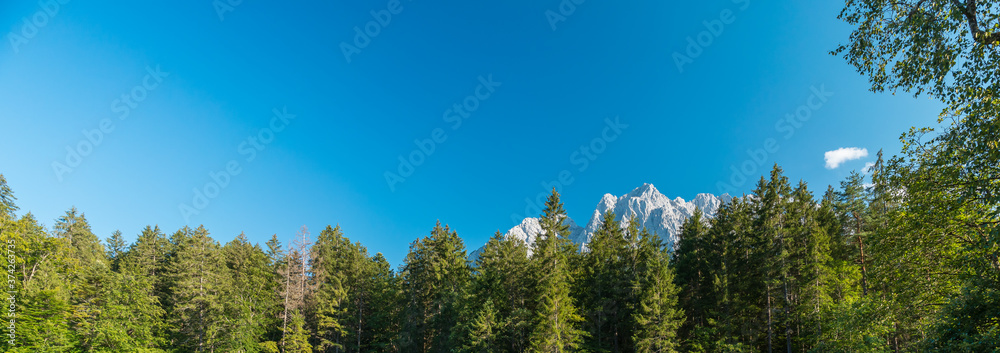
x,y
222,79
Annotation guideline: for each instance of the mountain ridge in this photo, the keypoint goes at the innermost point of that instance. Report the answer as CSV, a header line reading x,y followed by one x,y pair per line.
x,y
652,209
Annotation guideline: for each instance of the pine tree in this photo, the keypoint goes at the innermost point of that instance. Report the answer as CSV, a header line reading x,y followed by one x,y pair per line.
x,y
44,299
557,323
87,270
852,206
296,335
116,249
658,316
608,297
277,262
251,297
485,329
200,279
386,302
501,277
8,207
435,275
129,318
342,276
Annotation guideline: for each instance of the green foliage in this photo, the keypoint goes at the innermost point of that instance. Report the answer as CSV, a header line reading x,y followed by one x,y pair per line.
x,y
484,329
200,279
609,298
557,319
658,316
435,274
250,308
296,335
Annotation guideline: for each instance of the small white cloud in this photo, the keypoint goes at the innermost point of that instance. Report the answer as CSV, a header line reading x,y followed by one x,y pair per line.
x,y
836,157
868,167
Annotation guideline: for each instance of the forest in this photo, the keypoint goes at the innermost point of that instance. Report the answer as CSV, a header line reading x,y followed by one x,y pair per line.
x,y
903,256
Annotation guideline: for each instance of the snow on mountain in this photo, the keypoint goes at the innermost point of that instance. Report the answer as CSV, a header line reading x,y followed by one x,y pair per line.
x,y
530,227
652,210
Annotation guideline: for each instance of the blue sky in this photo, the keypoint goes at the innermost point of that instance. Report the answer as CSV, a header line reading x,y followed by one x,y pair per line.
x,y
201,90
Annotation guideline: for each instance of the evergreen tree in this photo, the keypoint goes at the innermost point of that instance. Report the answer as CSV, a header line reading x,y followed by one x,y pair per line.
x,y
696,261
116,249
200,281
501,277
8,207
251,301
435,274
44,298
277,262
129,317
383,321
296,335
343,277
485,330
658,316
608,296
557,323
87,270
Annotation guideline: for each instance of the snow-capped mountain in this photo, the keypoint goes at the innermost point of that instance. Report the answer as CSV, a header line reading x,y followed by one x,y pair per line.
x,y
530,227
654,211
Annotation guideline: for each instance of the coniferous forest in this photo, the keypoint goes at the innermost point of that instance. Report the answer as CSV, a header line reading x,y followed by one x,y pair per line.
x,y
902,257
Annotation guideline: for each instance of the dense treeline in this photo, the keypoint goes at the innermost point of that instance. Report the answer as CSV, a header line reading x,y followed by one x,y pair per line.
x,y
859,269
186,293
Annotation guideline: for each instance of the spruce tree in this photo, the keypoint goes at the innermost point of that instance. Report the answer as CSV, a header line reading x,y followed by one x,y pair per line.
x,y
250,297
698,265
485,330
435,274
200,281
607,293
657,316
86,272
557,319
130,317
116,249
44,305
501,277
342,280
296,335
